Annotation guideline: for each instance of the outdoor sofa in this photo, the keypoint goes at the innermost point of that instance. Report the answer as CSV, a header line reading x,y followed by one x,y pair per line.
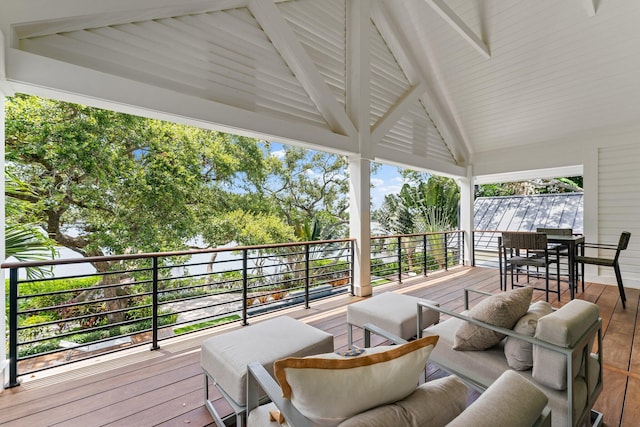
x,y
555,351
379,389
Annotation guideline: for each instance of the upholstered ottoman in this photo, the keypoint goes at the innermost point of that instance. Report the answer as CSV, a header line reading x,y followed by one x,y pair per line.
x,y
395,313
224,358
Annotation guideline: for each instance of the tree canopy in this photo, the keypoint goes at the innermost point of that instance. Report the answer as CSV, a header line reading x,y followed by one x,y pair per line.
x,y
104,182
532,186
309,187
426,203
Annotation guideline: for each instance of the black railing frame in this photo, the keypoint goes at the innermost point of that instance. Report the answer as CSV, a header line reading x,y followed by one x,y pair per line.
x,y
13,328
155,306
157,302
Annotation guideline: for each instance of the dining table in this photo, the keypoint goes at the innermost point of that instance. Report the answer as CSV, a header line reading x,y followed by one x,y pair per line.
x,y
573,243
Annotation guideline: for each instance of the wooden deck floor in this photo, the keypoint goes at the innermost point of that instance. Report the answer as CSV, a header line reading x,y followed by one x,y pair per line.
x,y
165,387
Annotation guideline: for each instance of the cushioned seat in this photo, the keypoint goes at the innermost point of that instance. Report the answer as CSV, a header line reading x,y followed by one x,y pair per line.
x,y
224,358
494,364
509,401
395,313
567,332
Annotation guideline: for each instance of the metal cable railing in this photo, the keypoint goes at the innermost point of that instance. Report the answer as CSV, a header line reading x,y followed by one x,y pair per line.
x,y
146,298
400,256
143,299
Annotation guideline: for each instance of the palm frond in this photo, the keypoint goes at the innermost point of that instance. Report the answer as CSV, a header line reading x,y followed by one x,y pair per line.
x,y
27,242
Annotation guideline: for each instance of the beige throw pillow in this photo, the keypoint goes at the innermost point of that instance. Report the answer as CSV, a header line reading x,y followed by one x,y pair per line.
x,y
330,388
503,309
434,403
519,353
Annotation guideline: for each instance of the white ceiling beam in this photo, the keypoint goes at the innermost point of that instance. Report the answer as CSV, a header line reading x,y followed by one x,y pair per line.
x,y
359,72
396,112
285,41
419,163
5,88
393,36
459,26
46,77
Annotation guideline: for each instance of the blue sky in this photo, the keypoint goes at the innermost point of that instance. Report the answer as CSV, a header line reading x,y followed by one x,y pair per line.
x,y
385,181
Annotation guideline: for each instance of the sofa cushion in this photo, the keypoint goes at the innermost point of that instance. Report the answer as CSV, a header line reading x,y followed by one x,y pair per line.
x,y
563,327
432,404
519,353
493,363
330,388
260,417
510,401
503,309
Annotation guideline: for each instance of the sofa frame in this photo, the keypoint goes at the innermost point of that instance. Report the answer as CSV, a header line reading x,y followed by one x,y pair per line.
x,y
581,349
260,382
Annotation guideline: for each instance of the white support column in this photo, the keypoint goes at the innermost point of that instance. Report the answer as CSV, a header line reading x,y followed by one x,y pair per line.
x,y
359,222
466,214
358,71
3,330
5,90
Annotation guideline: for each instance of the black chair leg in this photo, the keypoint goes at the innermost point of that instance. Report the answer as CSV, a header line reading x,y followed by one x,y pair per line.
x,y
558,277
546,276
623,297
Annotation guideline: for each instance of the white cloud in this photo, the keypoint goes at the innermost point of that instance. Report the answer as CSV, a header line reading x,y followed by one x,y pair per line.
x,y
278,153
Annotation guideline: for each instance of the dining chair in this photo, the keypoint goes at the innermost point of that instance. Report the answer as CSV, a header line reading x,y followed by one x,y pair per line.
x,y
562,250
524,249
607,261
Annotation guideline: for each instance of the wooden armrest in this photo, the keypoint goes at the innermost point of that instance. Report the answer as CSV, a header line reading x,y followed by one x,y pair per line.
x,y
259,379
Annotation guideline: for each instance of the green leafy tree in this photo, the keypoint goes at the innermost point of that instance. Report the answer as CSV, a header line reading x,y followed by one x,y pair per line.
x,y
425,204
534,186
108,183
308,186
25,241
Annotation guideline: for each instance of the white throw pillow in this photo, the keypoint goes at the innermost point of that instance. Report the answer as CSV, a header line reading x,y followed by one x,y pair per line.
x,y
330,388
519,353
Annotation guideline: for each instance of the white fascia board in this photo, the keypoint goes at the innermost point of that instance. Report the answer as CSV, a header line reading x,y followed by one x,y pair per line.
x,y
32,18
42,76
516,176
419,163
568,153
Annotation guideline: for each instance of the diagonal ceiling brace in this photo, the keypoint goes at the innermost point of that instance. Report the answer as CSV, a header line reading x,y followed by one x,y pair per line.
x,y
279,32
449,15
396,112
591,6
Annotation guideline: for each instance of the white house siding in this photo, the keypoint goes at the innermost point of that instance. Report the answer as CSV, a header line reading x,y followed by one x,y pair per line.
x,y
619,206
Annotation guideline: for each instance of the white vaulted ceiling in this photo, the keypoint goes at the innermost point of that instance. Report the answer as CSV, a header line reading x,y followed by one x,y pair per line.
x,y
447,79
